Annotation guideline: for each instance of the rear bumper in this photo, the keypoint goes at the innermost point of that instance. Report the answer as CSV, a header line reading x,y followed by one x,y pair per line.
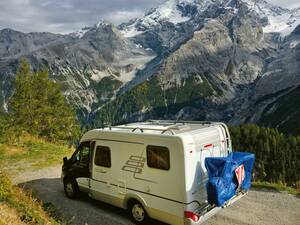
x,y
214,211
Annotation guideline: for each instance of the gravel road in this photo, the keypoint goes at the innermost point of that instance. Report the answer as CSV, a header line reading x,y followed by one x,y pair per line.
x,y
259,207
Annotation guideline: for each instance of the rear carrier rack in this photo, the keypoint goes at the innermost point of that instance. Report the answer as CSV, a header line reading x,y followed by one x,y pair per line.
x,y
204,212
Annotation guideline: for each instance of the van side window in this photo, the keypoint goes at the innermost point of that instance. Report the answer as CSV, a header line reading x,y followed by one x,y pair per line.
x,y
158,157
82,154
102,156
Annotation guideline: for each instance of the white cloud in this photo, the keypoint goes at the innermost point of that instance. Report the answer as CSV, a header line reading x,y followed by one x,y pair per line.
x,y
123,16
64,16
68,15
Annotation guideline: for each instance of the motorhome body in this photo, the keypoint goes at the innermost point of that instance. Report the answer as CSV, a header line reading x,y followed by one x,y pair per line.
x,y
153,168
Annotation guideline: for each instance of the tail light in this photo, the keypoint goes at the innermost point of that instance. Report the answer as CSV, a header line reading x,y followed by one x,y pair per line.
x,y
192,216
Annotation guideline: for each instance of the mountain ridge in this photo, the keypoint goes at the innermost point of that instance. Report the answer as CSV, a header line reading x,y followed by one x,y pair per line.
x,y
230,50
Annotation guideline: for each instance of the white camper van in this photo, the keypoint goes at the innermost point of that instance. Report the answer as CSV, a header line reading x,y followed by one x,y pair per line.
x,y
154,169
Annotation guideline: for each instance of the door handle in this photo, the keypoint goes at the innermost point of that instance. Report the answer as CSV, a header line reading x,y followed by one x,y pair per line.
x,y
100,170
122,187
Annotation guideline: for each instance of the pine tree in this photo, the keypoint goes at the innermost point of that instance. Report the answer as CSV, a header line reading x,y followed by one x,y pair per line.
x,y
277,155
38,106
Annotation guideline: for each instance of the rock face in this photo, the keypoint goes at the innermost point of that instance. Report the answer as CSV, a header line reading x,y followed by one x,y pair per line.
x,y
90,68
231,60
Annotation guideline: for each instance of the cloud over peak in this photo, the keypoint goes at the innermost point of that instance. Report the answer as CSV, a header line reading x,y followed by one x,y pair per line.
x,y
69,15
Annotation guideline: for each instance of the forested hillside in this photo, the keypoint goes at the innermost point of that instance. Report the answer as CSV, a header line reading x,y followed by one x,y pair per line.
x,y
277,155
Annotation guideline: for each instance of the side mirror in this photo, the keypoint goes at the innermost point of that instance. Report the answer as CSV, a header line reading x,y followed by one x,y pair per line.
x,y
65,159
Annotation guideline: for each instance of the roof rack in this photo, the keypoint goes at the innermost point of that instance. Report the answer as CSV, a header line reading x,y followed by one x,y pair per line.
x,y
181,122
133,129
227,134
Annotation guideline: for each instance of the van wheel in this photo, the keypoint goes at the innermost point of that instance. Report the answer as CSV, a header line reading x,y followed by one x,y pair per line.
x,y
138,213
71,188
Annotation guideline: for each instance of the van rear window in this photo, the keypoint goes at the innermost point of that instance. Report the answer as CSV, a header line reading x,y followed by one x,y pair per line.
x,y
158,157
102,156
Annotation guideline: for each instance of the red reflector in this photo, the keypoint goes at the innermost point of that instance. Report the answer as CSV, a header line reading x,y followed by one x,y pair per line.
x,y
191,215
208,146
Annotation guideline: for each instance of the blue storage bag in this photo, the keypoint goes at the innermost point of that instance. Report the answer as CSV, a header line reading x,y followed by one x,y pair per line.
x,y
222,183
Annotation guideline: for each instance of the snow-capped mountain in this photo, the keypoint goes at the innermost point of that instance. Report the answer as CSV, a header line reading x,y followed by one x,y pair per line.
x,y
274,18
172,11
230,60
278,19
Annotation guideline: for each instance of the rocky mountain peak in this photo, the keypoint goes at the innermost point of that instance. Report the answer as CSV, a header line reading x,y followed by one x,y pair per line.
x,y
206,59
102,25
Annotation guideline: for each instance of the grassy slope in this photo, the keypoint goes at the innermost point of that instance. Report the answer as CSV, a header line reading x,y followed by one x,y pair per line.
x,y
19,207
30,154
16,205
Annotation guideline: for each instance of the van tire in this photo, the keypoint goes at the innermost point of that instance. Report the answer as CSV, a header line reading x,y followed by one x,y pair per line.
x,y
71,188
137,212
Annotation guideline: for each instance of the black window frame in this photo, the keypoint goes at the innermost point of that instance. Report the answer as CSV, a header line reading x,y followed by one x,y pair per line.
x,y
148,148
79,151
96,150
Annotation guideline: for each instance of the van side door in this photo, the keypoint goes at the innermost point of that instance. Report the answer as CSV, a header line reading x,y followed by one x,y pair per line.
x,y
115,167
80,168
101,187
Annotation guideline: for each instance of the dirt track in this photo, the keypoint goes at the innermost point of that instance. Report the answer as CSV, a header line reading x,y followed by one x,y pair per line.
x,y
259,207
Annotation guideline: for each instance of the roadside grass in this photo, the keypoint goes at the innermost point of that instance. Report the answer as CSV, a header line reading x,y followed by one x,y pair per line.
x,y
31,153
18,206
276,187
21,207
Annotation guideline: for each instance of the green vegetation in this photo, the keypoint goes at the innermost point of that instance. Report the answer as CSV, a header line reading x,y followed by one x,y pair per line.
x,y
105,89
33,134
22,208
31,153
276,187
277,155
38,107
156,99
284,113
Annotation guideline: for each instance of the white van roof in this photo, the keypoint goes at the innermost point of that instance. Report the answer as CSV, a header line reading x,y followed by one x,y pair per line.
x,y
163,127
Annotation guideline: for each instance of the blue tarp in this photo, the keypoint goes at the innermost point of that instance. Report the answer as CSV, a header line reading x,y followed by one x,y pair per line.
x,y
222,183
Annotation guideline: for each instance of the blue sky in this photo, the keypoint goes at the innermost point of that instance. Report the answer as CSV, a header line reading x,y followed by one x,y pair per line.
x,y
64,16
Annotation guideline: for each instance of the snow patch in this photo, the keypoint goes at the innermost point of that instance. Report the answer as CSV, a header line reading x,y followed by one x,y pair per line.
x,y
167,11
281,20
293,44
102,23
131,32
284,24
80,33
170,12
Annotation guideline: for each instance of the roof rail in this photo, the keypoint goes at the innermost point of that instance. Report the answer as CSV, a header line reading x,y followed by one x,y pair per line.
x,y
181,121
133,129
227,133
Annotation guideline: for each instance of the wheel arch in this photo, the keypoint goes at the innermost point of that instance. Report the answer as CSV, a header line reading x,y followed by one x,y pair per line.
x,y
134,197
